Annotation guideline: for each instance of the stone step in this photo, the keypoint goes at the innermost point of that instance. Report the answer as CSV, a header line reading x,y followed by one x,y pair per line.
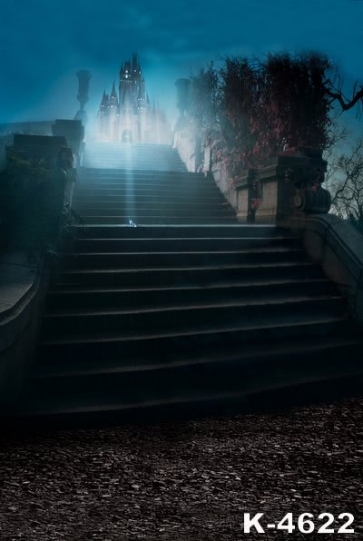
x,y
117,201
148,163
232,369
179,180
88,174
288,365
170,358
189,276
132,157
189,317
157,220
146,183
88,349
143,178
169,259
139,244
60,299
123,190
197,405
236,230
132,210
122,203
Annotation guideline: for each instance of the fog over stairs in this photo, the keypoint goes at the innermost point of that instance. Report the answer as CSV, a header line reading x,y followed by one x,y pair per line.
x,y
135,156
150,186
189,313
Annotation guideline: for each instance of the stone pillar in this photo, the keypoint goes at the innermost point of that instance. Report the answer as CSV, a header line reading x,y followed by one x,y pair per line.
x,y
84,77
73,131
254,192
37,149
182,86
289,184
300,190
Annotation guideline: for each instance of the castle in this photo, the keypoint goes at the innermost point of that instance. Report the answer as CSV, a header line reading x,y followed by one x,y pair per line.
x,y
129,117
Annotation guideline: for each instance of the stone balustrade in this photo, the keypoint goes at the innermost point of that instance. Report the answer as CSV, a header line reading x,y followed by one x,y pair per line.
x,y
288,192
24,271
23,285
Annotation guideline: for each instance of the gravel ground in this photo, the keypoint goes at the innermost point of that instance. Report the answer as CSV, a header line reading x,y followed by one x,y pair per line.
x,y
184,481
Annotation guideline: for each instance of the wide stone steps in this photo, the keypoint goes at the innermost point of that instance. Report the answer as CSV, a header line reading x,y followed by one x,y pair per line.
x,y
133,157
188,313
192,317
130,348
189,275
170,259
156,219
166,231
149,197
92,175
152,209
153,380
146,178
185,244
63,298
119,204
167,391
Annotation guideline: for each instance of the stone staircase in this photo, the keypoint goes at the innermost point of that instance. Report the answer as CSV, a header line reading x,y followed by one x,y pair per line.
x,y
111,196
171,321
136,156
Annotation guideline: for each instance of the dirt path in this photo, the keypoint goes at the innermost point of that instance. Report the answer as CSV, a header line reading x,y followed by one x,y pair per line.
x,y
186,481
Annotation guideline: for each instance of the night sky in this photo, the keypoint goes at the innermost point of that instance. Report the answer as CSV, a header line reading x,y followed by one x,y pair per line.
x,y
44,42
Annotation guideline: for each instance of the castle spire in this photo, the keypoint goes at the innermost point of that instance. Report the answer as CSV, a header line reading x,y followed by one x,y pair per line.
x,y
113,91
135,65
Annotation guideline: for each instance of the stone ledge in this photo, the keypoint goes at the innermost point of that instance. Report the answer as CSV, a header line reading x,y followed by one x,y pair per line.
x,y
22,290
338,247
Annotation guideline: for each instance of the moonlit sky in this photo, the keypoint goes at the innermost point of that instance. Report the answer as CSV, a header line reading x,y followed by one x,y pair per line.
x,y
44,42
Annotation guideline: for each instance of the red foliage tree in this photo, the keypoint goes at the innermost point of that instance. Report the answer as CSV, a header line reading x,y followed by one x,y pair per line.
x,y
250,110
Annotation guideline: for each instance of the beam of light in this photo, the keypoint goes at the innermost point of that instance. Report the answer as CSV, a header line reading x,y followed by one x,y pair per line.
x,y
130,195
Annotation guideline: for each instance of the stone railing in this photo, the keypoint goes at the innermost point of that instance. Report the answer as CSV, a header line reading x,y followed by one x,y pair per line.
x,y
288,192
338,247
24,265
289,183
73,131
23,287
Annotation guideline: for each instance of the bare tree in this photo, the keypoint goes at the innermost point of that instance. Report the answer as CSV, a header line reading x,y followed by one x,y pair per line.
x,y
346,185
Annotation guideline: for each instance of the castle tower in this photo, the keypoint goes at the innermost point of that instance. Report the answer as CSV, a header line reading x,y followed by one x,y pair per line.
x,y
113,114
129,116
128,131
103,117
142,113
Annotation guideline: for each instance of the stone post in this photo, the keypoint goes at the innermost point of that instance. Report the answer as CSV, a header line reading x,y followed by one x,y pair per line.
x,y
84,77
73,131
300,177
288,185
254,195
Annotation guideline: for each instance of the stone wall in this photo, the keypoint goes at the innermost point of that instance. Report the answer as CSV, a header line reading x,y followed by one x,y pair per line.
x,y
184,143
23,288
5,141
337,246
27,128
38,147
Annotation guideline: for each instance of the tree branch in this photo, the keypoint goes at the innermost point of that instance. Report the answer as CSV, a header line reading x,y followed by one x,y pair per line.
x,y
338,96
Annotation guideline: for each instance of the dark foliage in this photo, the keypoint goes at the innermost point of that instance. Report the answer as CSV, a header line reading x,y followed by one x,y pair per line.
x,y
250,110
31,205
